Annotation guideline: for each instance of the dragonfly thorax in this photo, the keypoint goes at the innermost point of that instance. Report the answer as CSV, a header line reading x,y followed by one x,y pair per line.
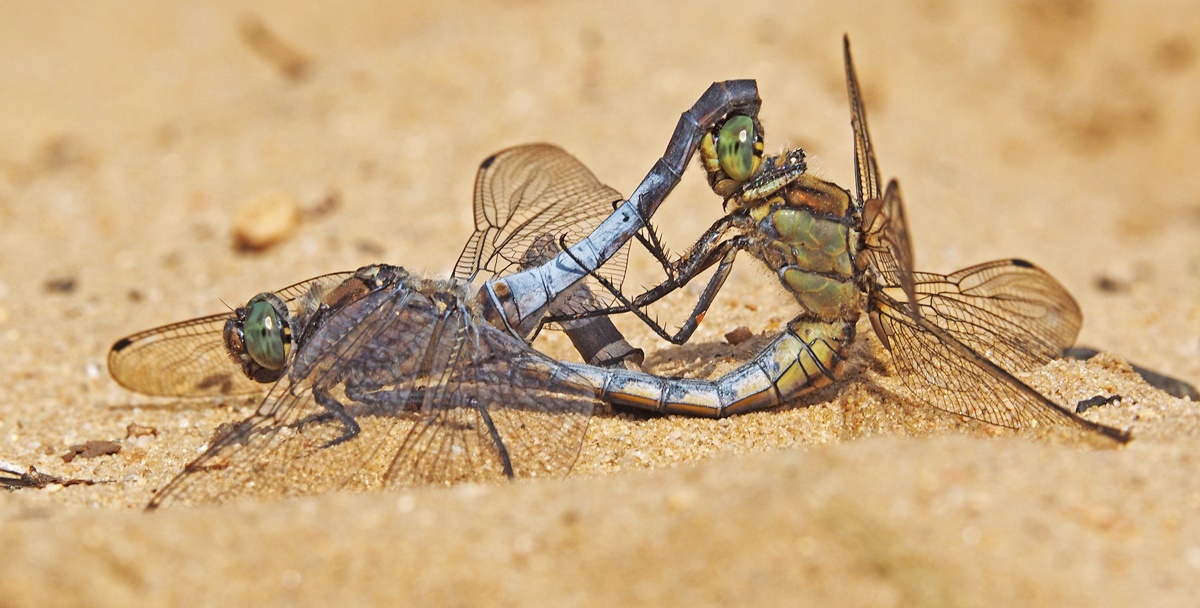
x,y
807,232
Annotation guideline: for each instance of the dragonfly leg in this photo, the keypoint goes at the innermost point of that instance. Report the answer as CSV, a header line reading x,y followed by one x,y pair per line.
x,y
653,244
710,250
707,296
338,411
497,440
712,247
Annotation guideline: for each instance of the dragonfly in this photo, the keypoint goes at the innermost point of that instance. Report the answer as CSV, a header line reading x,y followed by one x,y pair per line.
x,y
956,340
380,377
243,351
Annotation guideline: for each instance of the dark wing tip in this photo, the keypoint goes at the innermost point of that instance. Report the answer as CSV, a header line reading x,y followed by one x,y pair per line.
x,y
487,162
1022,263
121,345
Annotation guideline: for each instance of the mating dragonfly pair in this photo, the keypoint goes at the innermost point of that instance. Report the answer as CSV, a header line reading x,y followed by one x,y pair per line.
x,y
379,377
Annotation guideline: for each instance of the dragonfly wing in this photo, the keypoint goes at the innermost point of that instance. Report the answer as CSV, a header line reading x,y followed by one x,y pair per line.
x,y
887,242
189,359
280,449
884,224
527,196
242,456
314,287
439,398
497,410
866,170
1009,310
952,376
185,359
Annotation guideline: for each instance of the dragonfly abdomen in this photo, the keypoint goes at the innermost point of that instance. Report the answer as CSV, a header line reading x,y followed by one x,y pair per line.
x,y
805,357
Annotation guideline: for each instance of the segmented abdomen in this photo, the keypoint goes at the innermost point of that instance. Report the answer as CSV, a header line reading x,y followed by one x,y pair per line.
x,y
806,356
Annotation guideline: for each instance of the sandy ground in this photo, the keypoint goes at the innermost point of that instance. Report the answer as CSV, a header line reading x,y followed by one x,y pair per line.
x,y
1063,132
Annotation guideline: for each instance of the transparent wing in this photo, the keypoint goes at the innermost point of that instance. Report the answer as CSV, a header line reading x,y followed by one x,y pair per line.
x,y
500,410
960,352
885,227
188,358
1010,310
866,171
527,197
185,359
957,339
888,245
440,397
279,449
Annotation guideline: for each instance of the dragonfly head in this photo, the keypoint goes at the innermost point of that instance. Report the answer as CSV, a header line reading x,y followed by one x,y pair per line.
x,y
732,152
775,174
259,337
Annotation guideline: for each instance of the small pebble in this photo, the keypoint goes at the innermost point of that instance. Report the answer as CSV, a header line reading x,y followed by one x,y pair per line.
x,y
264,220
91,449
739,335
134,429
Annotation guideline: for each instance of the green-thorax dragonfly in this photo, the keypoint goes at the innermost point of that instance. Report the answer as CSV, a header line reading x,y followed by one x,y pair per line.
x,y
440,384
956,339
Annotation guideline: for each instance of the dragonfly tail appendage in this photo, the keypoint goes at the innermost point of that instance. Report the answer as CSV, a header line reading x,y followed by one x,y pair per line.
x,y
523,298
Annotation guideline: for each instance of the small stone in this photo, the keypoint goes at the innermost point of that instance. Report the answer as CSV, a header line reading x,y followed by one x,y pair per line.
x,y
134,430
91,449
739,335
265,220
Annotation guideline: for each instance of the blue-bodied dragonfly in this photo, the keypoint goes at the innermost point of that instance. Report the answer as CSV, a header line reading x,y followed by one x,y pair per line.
x,y
381,377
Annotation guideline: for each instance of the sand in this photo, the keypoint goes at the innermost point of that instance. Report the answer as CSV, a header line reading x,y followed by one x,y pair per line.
x,y
1063,132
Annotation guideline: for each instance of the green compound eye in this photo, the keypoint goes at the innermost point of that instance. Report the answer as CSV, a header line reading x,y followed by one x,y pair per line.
x,y
739,149
267,339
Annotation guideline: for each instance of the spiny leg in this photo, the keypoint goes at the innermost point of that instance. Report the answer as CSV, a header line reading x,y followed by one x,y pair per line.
x,y
699,259
338,411
653,244
497,440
